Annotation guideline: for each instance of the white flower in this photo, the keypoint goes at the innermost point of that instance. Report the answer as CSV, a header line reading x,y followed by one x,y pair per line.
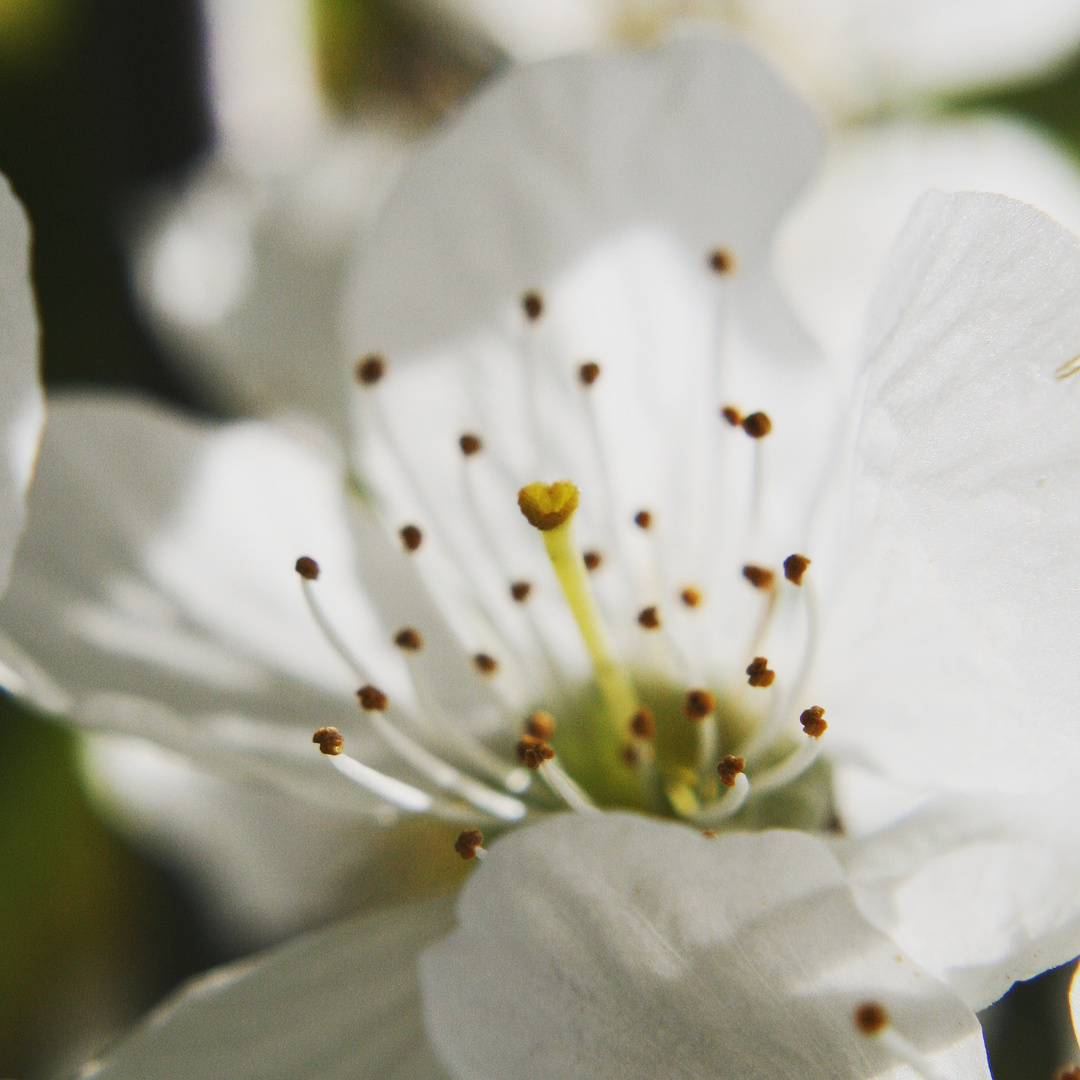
x,y
617,211
855,56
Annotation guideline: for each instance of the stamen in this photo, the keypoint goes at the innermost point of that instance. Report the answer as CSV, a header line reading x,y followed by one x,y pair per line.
x,y
411,537
329,741
760,673
757,425
643,519
551,510
649,618
759,577
783,774
728,768
721,261
727,806
307,568
372,699
470,844
370,369
520,590
541,725
403,796
532,304
732,415
872,1020
813,722
691,596
699,704
566,789
589,372
409,639
486,665
794,568
593,560
643,724
470,444
700,709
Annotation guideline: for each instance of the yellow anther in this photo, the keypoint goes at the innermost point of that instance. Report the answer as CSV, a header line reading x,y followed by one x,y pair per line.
x,y
547,506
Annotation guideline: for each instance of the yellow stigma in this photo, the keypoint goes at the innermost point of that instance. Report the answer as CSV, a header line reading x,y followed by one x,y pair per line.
x,y
547,506
550,508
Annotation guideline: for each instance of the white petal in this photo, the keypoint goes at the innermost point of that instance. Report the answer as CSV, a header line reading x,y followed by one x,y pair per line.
x,y
981,891
21,404
832,249
615,946
342,1004
698,139
947,659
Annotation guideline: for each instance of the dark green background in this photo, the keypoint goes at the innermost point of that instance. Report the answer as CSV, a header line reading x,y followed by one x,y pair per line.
x,y
99,100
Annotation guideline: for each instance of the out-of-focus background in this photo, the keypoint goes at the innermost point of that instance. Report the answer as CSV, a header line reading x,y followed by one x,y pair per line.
x,y
103,103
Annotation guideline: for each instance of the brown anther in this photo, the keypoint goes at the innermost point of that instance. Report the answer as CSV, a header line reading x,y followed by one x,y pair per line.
x,y
630,756
759,577
757,425
533,305
870,1017
409,639
732,415
370,369
721,261
813,722
643,519
307,568
520,590
533,752
699,704
411,537
547,506
649,618
1068,1072
728,768
794,568
592,560
329,741
470,444
691,597
467,843
643,723
541,725
589,372
372,699
759,672
486,665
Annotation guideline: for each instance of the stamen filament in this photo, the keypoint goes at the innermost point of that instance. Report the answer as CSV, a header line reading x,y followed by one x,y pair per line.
x,y
727,806
396,792
566,789
790,769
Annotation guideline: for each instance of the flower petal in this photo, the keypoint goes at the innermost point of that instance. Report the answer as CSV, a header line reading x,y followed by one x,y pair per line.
x,y
21,405
341,1004
947,660
615,946
698,139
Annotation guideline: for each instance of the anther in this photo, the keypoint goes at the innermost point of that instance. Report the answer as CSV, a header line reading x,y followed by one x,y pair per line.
x,y
759,577
732,415
520,590
691,597
592,559
307,568
329,741
721,261
589,372
757,425
870,1018
533,752
794,568
728,768
411,537
709,834
630,755
372,699
643,723
486,665
470,444
409,639
759,672
649,618
469,843
533,305
1068,1072
699,704
370,369
813,722
541,725
547,506
643,519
